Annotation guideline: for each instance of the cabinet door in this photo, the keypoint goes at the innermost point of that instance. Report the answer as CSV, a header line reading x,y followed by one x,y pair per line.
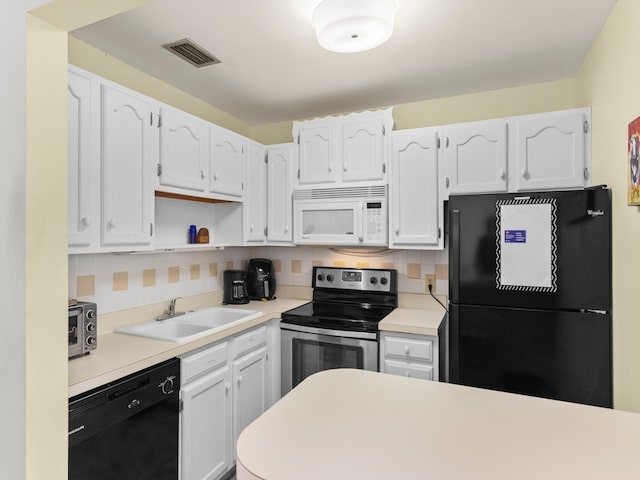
x,y
79,156
184,148
363,151
550,151
475,157
127,195
205,447
416,211
319,162
227,161
250,398
255,204
279,188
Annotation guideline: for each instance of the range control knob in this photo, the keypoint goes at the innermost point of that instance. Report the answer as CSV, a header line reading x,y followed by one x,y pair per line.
x,y
167,385
373,280
91,327
91,314
329,278
383,281
91,340
320,277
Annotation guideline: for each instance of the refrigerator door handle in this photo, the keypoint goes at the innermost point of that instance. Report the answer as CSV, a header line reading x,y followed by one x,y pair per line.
x,y
454,256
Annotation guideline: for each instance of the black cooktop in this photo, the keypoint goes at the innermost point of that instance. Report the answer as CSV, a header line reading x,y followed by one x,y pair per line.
x,y
337,316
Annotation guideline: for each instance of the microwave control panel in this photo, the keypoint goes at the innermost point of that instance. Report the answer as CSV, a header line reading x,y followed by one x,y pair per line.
x,y
374,223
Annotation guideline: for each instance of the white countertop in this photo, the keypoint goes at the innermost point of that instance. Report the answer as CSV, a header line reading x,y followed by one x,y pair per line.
x,y
119,354
365,425
414,320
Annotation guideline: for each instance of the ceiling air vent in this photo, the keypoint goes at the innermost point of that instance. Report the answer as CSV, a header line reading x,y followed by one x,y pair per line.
x,y
191,52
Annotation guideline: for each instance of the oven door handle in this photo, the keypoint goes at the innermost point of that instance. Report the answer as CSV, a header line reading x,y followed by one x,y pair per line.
x,y
328,332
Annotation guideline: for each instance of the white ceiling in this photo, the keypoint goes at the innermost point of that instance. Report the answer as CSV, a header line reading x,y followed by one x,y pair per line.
x,y
273,70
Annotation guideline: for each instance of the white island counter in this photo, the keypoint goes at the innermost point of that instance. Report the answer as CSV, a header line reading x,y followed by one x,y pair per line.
x,y
354,424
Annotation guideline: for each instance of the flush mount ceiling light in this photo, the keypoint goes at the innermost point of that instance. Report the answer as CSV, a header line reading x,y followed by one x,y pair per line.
x,y
346,26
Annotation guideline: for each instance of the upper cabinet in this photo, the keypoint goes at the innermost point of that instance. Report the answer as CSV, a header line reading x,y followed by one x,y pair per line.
x,y
550,151
475,157
415,203
184,151
112,135
227,163
127,146
345,150
546,151
279,189
255,204
82,160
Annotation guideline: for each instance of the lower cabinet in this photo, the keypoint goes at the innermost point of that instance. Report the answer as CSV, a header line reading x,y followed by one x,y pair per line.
x,y
409,355
225,386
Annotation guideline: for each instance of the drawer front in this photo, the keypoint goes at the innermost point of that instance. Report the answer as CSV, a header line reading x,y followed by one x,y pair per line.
x,y
424,372
202,361
409,348
250,340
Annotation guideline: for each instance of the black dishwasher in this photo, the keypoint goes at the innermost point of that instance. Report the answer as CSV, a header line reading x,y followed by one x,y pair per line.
x,y
127,429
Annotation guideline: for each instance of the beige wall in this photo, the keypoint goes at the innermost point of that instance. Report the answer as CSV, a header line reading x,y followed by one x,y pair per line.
x,y
609,80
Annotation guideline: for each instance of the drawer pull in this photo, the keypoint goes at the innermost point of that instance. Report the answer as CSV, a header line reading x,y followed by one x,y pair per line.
x,y
406,349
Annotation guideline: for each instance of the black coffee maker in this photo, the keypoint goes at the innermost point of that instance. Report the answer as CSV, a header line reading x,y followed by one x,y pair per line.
x,y
235,287
261,279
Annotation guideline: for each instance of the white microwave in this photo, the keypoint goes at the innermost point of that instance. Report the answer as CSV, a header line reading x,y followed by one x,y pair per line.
x,y
340,216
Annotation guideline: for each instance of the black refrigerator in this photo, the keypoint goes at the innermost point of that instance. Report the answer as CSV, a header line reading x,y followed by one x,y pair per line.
x,y
530,294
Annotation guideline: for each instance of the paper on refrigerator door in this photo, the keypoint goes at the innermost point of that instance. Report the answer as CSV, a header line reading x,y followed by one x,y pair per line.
x,y
526,243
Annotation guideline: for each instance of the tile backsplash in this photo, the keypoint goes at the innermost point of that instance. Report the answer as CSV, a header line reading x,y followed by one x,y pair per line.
x,y
121,281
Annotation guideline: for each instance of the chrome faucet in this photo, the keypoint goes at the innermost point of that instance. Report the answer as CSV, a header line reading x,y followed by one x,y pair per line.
x,y
171,311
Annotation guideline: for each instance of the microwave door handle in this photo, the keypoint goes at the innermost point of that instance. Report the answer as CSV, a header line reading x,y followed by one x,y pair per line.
x,y
361,225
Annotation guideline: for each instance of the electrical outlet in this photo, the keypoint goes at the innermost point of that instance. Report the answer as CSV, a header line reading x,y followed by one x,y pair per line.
x,y
430,280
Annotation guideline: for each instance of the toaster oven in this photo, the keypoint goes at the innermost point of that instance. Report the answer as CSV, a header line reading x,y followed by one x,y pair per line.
x,y
83,328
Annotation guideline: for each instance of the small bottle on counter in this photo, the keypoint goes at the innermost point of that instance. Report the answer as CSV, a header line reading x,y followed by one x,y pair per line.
x,y
192,233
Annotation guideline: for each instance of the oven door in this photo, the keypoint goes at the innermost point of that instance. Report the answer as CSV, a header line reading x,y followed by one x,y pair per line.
x,y
307,350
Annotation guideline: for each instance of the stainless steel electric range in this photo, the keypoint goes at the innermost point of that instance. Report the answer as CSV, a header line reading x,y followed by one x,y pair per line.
x,y
339,328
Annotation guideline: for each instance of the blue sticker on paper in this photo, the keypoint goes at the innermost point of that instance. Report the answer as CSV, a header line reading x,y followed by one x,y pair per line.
x,y
515,236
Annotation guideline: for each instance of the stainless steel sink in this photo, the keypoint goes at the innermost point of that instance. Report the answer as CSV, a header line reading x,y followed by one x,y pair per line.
x,y
190,326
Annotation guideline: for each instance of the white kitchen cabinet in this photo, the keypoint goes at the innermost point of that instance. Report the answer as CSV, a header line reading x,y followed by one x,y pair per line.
x,y
227,163
409,355
344,150
416,209
550,151
83,159
225,386
250,378
128,146
318,157
475,157
279,194
364,150
205,423
184,151
255,204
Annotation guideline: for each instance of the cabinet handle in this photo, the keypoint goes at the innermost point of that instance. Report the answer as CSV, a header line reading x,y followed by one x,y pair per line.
x,y
503,175
227,388
202,174
286,229
251,228
239,379
406,374
406,349
525,174
215,176
446,182
397,229
86,221
330,167
345,167
111,224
